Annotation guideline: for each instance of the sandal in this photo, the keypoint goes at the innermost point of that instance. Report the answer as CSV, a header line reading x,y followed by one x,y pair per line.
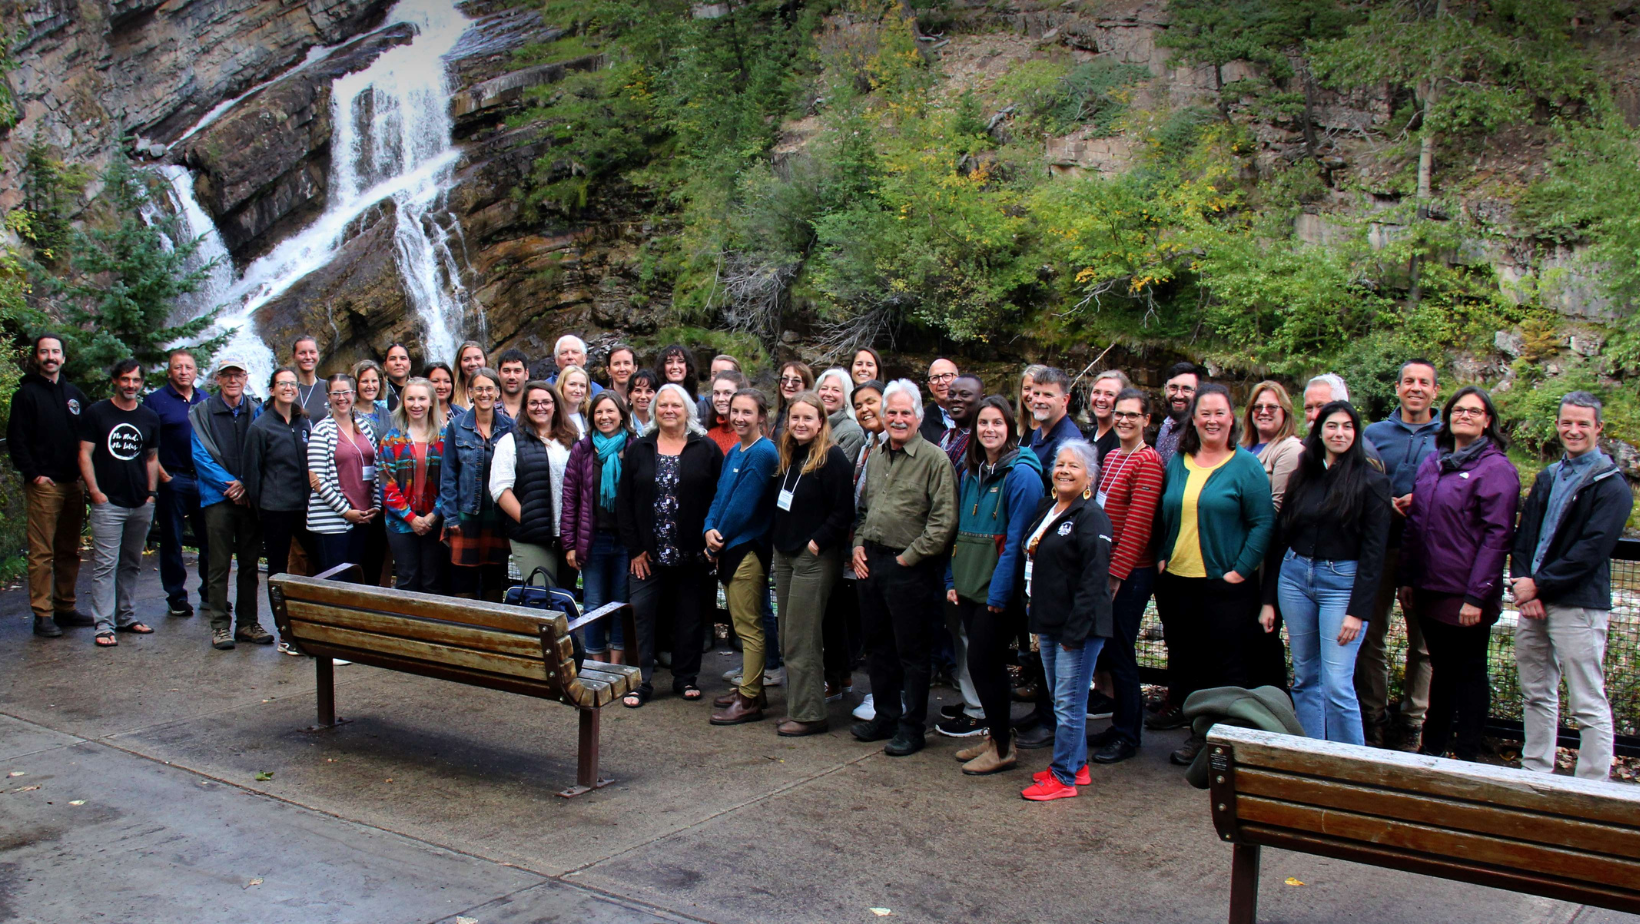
x,y
634,699
689,692
137,628
106,640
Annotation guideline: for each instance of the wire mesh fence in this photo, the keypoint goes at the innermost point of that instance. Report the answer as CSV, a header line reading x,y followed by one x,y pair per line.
x,y
1622,656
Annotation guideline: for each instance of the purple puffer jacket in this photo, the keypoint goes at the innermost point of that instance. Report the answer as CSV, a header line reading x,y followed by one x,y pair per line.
x,y
1460,528
580,499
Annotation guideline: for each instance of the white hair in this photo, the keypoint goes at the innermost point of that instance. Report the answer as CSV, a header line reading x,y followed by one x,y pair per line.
x,y
905,387
1085,452
1334,381
691,417
569,339
844,380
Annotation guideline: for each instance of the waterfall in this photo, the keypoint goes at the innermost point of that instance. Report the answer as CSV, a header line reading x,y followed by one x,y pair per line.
x,y
196,223
391,140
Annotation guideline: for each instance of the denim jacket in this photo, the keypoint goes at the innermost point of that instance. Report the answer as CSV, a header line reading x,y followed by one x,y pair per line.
x,y
462,484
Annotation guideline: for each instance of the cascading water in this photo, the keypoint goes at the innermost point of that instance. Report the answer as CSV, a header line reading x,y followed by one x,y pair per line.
x,y
391,140
193,221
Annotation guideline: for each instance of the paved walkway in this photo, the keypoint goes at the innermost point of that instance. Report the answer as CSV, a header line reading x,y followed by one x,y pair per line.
x,y
138,799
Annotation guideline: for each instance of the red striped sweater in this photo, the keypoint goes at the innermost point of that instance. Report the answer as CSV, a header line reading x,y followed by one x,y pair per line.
x,y
1131,483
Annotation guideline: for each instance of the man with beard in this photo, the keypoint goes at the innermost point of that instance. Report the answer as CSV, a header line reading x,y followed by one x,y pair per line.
x,y
1050,408
1178,390
44,440
1102,402
514,367
119,460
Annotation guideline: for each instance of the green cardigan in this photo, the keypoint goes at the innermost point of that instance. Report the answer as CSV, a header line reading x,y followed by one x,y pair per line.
x,y
1234,515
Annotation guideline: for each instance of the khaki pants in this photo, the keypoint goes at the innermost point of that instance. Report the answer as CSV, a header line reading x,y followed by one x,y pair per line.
x,y
56,512
531,557
746,591
1372,662
1568,644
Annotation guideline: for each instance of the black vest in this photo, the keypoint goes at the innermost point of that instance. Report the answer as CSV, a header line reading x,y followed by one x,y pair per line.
x,y
535,489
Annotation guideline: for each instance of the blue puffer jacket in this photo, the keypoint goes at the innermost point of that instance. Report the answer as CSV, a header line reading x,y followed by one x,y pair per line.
x,y
463,477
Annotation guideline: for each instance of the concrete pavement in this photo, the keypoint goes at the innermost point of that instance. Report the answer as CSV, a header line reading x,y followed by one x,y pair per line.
x,y
436,803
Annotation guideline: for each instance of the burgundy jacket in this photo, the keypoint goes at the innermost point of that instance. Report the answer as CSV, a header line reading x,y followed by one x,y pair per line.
x,y
580,499
1460,528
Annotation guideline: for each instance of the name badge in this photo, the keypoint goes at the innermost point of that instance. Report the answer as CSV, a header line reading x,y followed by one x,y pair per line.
x,y
370,473
1101,497
1028,564
784,501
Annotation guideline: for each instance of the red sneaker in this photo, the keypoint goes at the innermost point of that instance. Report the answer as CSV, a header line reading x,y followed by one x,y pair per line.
x,y
1048,790
1083,777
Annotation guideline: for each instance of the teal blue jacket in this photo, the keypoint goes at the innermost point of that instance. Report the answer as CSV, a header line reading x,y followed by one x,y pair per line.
x,y
1234,515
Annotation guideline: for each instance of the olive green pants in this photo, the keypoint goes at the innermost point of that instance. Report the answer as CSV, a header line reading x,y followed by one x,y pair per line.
x,y
745,593
802,587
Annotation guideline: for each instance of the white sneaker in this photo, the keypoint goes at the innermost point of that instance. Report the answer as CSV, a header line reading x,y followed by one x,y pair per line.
x,y
775,677
867,710
734,675
340,661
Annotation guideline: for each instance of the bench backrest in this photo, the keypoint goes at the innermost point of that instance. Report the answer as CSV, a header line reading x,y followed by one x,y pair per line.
x,y
1556,836
469,641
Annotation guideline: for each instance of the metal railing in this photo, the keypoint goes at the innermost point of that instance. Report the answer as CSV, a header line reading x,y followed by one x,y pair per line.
x,y
1622,659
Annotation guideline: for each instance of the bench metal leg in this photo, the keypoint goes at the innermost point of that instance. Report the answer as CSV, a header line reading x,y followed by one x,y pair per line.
x,y
586,761
1244,885
325,673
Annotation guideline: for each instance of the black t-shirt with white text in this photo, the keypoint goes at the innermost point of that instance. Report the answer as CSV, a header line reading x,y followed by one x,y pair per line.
x,y
121,443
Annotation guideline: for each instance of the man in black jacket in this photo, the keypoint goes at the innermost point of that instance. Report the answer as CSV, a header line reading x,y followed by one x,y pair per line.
x,y
1562,580
44,439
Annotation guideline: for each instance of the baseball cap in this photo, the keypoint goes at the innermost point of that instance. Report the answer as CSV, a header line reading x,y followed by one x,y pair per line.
x,y
231,362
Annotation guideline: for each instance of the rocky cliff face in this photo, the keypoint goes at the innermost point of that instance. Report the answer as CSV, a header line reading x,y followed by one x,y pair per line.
x,y
91,72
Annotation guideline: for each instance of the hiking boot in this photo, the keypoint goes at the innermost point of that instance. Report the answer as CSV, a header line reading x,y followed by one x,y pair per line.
x,y
222,640
47,628
1166,718
254,633
744,709
1186,753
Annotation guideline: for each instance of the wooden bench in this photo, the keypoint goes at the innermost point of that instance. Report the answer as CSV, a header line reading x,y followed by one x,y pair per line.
x,y
1556,836
508,648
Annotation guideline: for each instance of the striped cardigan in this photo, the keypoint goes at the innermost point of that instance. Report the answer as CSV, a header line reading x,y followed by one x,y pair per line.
x,y
396,476
327,504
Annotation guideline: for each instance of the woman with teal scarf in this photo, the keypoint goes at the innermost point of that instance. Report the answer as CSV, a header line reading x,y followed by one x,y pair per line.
x,y
588,530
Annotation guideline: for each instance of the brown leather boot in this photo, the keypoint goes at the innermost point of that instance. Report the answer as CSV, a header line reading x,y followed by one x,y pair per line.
x,y
728,699
989,761
791,728
975,750
742,710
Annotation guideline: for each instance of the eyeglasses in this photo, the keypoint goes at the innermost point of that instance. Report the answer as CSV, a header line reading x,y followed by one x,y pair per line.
x,y
942,378
1266,408
1467,412
285,384
790,380
342,394
1126,415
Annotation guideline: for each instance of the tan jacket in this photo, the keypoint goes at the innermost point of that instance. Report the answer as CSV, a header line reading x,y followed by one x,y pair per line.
x,y
1280,459
909,501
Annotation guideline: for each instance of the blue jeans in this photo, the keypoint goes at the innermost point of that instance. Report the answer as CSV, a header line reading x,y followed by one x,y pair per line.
x,y
1069,674
603,580
179,500
1315,596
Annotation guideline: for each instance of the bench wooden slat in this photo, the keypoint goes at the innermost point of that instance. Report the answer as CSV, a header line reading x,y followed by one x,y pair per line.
x,y
1532,827
1478,783
428,606
478,661
483,679
1428,839
455,635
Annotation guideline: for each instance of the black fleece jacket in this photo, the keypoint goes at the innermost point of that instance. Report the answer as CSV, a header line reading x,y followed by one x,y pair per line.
x,y
44,433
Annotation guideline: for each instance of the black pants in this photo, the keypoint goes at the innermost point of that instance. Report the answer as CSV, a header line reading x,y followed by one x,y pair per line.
x,y
1460,693
279,527
899,611
346,548
1119,656
480,582
840,630
679,588
1206,623
989,635
420,563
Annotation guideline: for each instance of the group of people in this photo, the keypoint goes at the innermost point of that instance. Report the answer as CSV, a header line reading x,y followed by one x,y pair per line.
x,y
985,528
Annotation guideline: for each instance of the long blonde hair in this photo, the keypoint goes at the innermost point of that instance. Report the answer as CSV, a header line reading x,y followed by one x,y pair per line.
x,y
817,448
458,395
558,390
437,414
1289,426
